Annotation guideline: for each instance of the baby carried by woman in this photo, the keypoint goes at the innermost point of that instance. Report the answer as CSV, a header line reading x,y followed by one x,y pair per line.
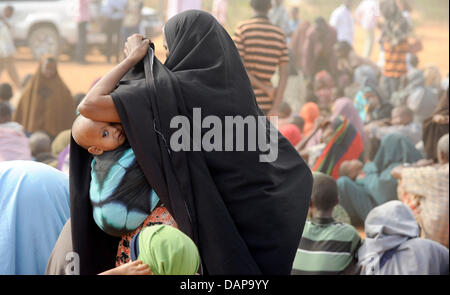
x,y
122,200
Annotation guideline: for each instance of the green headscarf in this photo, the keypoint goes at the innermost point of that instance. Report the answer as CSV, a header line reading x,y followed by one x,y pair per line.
x,y
168,251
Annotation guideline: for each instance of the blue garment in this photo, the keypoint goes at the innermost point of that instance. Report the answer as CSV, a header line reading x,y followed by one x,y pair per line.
x,y
120,195
394,151
387,256
361,104
378,186
34,206
355,199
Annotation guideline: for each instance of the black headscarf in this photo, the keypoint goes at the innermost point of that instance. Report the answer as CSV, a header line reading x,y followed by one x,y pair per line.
x,y
245,216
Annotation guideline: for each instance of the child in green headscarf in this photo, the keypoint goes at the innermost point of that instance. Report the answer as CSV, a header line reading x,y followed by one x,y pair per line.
x,y
160,250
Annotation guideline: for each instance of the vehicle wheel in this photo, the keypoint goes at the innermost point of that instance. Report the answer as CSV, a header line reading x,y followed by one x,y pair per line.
x,y
44,40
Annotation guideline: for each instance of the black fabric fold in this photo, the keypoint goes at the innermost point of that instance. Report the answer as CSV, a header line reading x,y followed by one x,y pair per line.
x,y
245,216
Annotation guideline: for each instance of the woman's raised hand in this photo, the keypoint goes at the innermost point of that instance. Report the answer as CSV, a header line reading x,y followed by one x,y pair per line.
x,y
136,47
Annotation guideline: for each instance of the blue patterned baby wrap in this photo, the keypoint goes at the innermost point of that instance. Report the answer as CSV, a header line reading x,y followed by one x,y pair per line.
x,y
120,195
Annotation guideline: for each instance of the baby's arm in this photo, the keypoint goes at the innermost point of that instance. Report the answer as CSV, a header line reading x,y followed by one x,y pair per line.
x,y
135,268
98,104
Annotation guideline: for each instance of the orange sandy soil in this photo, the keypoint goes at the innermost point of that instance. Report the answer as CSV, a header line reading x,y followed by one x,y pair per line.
x,y
79,77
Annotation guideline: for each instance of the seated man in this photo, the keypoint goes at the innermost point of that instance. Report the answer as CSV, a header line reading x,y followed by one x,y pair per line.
x,y
327,247
402,122
13,142
425,190
393,246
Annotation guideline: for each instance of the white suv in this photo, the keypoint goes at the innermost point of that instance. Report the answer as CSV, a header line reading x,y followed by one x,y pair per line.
x,y
49,26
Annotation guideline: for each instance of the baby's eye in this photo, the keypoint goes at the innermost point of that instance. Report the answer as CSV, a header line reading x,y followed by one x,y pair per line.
x,y
105,134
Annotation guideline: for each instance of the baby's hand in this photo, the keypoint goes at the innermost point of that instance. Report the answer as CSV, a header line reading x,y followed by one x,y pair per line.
x,y
135,268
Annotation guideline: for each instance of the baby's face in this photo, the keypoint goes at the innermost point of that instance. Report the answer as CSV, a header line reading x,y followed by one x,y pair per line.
x,y
98,137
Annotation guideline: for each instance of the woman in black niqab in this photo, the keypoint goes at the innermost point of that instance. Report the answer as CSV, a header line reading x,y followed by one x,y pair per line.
x,y
246,216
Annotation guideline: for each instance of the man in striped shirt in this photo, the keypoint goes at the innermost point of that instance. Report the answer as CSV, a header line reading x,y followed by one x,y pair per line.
x,y
263,48
327,247
394,41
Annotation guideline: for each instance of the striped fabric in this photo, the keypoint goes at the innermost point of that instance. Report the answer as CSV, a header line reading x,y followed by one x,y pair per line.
x,y
263,48
345,145
395,56
327,247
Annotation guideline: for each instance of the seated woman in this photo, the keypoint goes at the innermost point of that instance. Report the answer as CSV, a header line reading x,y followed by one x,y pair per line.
x,y
309,112
378,185
348,145
34,206
364,76
377,109
345,107
339,142
393,247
